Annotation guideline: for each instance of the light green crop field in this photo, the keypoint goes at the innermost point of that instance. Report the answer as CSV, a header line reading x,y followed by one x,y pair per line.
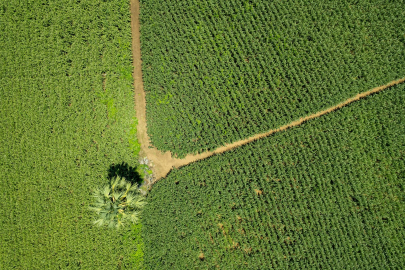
x,y
329,194
217,71
67,124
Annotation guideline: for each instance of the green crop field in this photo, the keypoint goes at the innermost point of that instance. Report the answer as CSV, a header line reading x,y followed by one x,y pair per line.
x,y
219,71
67,124
328,194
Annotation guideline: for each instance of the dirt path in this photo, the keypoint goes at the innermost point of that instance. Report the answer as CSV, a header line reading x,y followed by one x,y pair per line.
x,y
192,158
164,162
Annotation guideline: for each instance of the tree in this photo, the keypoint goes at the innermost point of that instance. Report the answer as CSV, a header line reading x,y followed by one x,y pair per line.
x,y
117,203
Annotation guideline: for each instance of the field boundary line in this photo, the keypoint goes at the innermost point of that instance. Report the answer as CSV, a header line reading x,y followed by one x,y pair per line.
x,y
163,162
177,163
160,160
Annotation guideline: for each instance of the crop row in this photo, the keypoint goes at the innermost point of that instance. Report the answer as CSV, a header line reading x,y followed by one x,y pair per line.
x,y
66,120
219,71
324,195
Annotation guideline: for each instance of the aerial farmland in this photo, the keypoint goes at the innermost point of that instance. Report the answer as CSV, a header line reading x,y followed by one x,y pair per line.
x,y
186,134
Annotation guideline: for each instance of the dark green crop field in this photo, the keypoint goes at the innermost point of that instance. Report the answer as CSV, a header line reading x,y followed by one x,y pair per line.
x,y
329,194
219,71
66,125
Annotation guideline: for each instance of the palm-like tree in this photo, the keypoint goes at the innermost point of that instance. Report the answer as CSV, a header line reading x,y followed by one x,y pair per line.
x,y
117,203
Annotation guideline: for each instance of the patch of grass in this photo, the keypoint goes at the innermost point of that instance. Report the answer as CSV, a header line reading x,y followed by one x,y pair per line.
x,y
132,139
137,255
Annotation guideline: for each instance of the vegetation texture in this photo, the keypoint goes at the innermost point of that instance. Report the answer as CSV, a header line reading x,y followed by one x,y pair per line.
x,y
219,71
325,195
66,117
117,203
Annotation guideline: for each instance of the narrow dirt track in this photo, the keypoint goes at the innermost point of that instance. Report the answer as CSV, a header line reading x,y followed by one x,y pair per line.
x,y
163,163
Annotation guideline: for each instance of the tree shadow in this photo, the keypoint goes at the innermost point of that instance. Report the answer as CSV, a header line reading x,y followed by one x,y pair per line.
x,y
124,170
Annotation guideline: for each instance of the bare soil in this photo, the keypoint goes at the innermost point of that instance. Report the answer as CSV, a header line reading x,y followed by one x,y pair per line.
x,y
163,161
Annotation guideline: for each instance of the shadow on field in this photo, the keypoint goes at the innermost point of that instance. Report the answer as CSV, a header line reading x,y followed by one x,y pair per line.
x,y
124,170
